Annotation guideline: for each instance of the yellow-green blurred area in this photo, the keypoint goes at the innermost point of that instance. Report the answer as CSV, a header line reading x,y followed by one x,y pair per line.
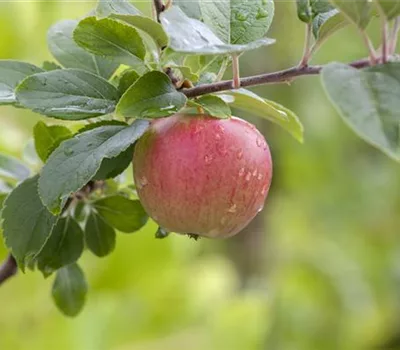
x,y
318,269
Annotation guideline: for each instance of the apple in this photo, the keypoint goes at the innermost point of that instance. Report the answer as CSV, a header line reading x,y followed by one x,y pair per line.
x,y
200,175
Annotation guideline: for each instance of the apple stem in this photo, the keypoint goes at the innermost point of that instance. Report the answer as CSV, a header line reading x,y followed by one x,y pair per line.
x,y
236,71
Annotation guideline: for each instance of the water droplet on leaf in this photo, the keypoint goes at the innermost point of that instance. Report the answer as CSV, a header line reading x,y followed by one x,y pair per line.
x,y
248,176
168,108
262,13
68,152
241,16
241,172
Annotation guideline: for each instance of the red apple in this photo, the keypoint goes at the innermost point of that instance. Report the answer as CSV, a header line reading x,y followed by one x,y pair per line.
x,y
201,175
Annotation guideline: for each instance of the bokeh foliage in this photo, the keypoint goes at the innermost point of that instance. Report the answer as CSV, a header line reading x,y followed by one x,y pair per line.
x,y
330,257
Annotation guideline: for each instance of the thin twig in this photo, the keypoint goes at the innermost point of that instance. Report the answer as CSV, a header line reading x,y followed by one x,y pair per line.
x,y
236,72
394,36
372,54
385,44
159,7
307,46
8,269
168,4
268,78
222,70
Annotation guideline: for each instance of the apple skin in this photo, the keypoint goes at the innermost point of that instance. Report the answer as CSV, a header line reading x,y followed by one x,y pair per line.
x,y
200,175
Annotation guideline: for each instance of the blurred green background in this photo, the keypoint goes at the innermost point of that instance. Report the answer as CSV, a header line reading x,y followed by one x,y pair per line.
x,y
319,268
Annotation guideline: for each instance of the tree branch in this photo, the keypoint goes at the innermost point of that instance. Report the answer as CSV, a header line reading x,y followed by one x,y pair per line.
x,y
8,269
268,78
159,7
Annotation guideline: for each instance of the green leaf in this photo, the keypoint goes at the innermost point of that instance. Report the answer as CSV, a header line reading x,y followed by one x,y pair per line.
x,y
190,8
113,167
77,160
11,74
80,211
99,236
152,96
213,105
127,13
124,214
304,11
70,55
368,101
147,25
69,290
126,81
48,66
186,72
308,10
3,196
326,24
111,39
195,62
97,124
321,6
48,138
13,168
238,21
390,8
191,36
70,94
27,223
105,8
64,246
357,11
248,101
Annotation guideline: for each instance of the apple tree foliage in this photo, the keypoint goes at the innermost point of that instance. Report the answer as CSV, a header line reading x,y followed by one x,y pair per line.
x,y
116,69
